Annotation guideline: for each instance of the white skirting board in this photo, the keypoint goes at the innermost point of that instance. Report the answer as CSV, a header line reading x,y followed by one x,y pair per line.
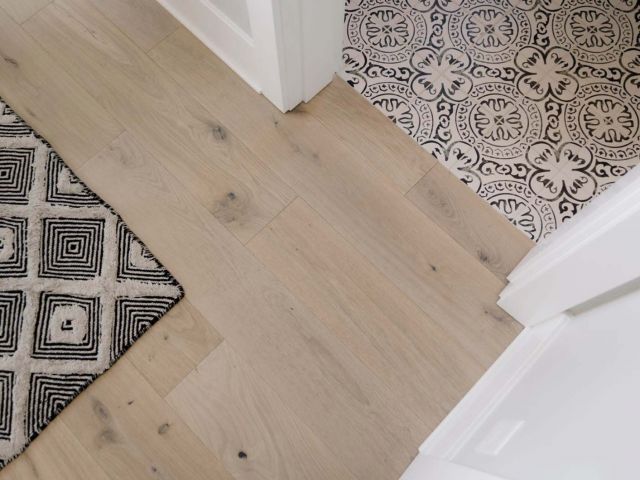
x,y
438,451
219,33
425,467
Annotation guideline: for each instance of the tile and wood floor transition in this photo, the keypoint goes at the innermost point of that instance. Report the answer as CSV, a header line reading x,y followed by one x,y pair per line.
x,y
341,283
534,104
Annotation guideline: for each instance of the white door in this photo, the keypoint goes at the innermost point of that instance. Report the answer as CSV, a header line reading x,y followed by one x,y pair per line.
x,y
288,50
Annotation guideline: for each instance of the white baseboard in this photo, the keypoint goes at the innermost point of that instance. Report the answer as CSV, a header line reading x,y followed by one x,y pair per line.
x,y
461,423
220,34
425,467
291,53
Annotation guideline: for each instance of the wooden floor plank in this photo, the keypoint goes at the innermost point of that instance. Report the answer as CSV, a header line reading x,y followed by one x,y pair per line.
x,y
22,10
482,231
448,283
241,419
55,455
145,22
239,189
325,385
134,434
351,325
173,347
351,119
49,99
417,359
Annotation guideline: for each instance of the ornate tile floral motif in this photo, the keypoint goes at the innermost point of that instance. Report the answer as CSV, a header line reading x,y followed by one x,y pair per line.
x,y
534,104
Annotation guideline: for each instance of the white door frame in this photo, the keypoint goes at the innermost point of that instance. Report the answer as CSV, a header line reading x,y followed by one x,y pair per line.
x,y
291,52
591,259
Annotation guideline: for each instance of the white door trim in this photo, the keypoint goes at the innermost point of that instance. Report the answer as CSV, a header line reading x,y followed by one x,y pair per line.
x,y
586,259
436,455
291,53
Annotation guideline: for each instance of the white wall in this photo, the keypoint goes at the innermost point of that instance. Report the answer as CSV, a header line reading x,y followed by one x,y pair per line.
x,y
574,413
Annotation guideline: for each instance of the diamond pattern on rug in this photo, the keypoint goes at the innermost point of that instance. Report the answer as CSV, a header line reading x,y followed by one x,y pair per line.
x,y
534,104
16,174
77,287
49,393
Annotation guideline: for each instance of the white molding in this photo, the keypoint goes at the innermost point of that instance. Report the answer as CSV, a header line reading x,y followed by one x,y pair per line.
x,y
435,459
293,51
425,467
589,260
322,33
589,256
307,35
462,422
606,208
220,34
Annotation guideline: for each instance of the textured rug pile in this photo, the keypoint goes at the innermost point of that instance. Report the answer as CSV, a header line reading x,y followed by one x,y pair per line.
x,y
77,287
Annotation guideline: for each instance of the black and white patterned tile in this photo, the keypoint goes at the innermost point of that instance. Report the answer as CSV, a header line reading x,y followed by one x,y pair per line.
x,y
534,104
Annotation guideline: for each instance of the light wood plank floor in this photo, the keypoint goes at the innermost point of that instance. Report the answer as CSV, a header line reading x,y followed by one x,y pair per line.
x,y
341,284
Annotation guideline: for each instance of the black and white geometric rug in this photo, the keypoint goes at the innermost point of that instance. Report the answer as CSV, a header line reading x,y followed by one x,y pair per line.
x,y
534,104
77,287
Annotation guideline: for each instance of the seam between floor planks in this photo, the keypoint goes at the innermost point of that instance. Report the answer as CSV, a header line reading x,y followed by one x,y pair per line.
x,y
260,312
299,152
277,214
